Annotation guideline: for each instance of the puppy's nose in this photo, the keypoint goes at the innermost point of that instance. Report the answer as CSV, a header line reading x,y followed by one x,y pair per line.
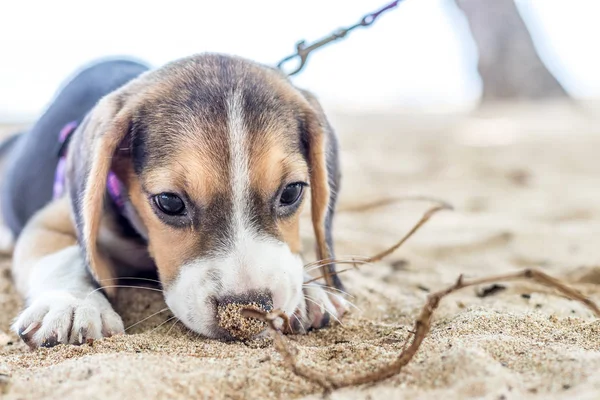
x,y
255,298
230,318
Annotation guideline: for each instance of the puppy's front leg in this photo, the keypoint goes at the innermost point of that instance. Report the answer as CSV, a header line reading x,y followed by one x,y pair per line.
x,y
49,270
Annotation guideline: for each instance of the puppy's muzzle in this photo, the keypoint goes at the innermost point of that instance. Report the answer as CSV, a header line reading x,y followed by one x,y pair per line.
x,y
261,299
231,320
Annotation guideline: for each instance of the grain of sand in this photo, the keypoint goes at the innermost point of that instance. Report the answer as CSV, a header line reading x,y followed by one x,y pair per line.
x,y
526,186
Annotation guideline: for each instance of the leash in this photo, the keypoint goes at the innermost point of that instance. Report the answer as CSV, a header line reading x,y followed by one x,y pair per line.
x,y
303,51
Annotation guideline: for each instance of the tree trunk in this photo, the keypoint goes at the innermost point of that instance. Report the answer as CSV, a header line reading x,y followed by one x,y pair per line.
x,y
509,65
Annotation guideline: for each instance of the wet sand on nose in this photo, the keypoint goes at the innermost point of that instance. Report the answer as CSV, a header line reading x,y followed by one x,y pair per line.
x,y
525,182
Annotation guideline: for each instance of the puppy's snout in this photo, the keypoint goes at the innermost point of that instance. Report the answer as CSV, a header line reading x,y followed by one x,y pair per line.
x,y
259,299
230,318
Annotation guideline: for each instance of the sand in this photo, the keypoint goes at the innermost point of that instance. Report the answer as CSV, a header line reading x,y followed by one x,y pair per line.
x,y
526,186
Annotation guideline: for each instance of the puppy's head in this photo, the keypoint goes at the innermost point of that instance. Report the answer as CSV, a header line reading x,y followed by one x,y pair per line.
x,y
217,155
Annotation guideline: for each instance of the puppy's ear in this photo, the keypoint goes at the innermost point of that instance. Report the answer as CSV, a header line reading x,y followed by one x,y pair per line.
x,y
92,153
322,153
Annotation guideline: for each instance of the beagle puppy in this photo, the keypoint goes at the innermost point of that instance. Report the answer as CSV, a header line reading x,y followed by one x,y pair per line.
x,y
196,171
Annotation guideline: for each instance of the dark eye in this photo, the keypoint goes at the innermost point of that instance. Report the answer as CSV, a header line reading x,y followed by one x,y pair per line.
x,y
169,203
290,194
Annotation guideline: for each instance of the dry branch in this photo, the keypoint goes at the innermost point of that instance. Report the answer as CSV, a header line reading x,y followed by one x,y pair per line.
x,y
358,208
422,325
421,329
379,256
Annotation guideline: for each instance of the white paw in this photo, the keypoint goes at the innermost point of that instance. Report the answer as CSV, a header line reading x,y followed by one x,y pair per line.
x,y
320,306
7,241
61,317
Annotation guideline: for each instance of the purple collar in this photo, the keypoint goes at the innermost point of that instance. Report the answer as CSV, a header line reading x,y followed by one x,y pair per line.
x,y
113,185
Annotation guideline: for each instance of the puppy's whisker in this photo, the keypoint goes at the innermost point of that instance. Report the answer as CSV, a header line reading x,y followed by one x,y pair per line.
x,y
316,267
357,308
339,272
338,261
322,307
345,300
299,322
316,262
314,300
332,260
323,276
132,278
340,291
327,288
169,331
123,286
168,320
147,318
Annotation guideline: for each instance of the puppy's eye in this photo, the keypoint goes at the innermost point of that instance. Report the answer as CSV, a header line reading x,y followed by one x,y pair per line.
x,y
291,194
169,203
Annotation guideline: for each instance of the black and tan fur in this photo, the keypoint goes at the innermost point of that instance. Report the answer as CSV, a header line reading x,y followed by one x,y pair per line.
x,y
171,130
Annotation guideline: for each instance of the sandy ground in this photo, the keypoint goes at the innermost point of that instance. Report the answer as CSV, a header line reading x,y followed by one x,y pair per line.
x,y
526,186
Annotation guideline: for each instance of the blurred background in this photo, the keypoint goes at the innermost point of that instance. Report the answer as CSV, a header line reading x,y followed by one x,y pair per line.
x,y
489,105
426,54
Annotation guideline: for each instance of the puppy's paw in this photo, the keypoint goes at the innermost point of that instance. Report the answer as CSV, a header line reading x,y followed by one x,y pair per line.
x,y
61,317
320,306
7,241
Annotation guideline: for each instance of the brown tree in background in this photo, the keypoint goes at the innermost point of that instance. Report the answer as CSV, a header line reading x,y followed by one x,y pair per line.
x,y
509,65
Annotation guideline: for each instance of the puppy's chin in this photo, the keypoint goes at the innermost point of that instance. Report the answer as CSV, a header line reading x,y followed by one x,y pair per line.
x,y
263,266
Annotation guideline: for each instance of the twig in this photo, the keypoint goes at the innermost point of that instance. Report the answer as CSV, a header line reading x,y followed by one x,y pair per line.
x,y
379,256
428,214
422,325
386,202
421,328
